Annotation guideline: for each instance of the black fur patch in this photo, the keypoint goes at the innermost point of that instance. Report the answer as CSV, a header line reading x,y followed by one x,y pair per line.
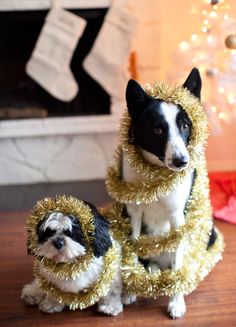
x,y
76,233
146,120
44,235
136,99
102,240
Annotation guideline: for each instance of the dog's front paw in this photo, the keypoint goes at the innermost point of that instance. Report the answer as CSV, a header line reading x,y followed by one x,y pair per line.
x,y
31,294
128,299
111,309
50,306
177,307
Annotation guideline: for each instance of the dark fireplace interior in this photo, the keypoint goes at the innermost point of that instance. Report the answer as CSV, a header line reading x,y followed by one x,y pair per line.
x,y
20,96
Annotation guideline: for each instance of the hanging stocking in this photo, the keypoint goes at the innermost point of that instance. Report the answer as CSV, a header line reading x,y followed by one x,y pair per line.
x,y
108,61
49,64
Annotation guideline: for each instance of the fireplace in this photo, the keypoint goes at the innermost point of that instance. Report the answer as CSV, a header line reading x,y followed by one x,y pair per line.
x,y
46,140
20,96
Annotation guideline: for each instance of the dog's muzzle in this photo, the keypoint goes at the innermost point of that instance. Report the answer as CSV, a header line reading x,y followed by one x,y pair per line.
x,y
180,162
59,243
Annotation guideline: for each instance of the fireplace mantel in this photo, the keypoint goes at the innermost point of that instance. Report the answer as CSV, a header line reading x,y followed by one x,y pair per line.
x,y
10,5
60,126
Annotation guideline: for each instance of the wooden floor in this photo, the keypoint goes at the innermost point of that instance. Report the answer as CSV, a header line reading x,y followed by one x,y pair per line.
x,y
213,304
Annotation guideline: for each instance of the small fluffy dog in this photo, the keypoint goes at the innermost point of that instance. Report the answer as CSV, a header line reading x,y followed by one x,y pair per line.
x,y
60,238
161,131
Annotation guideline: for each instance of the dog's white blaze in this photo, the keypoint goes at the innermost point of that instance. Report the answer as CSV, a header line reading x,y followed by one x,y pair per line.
x,y
57,221
175,145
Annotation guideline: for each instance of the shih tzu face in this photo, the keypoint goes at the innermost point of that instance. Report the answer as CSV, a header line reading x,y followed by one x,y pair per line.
x,y
61,239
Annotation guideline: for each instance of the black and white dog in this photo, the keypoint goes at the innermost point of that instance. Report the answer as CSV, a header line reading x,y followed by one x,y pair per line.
x,y
60,238
162,131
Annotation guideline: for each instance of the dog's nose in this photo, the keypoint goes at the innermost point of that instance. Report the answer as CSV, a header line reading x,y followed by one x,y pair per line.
x,y
59,243
180,162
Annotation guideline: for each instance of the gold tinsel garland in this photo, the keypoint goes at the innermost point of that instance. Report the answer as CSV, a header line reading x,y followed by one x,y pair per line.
x,y
68,270
71,270
151,182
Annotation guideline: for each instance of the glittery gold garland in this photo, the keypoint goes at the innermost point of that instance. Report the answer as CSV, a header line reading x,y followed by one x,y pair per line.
x,y
197,264
91,295
69,270
198,261
68,206
153,179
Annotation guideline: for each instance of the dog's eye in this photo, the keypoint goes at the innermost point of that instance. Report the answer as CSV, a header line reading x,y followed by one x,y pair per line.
x,y
158,131
184,127
68,233
44,235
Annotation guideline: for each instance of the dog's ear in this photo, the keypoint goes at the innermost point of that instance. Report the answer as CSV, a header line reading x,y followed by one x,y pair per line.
x,y
29,252
194,83
102,239
136,99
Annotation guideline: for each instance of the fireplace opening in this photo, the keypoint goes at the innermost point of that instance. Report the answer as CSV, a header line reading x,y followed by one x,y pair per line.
x,y
20,96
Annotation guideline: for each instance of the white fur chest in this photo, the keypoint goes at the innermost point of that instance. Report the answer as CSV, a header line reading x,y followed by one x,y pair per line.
x,y
165,213
84,280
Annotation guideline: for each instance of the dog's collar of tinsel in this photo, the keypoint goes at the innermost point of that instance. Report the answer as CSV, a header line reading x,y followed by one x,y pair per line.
x,y
152,179
91,295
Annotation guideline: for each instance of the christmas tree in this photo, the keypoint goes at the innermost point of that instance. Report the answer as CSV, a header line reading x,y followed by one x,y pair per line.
x,y
213,50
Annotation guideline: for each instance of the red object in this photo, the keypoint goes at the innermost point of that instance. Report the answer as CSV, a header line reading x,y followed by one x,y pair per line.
x,y
223,195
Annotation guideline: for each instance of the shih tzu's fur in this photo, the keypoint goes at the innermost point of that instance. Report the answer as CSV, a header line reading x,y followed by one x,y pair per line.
x,y
60,238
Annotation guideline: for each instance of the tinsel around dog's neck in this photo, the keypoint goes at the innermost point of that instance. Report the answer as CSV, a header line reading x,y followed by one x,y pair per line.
x,y
152,179
90,295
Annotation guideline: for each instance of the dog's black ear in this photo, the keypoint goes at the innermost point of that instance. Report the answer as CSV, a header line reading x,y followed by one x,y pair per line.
x,y
102,239
194,83
136,99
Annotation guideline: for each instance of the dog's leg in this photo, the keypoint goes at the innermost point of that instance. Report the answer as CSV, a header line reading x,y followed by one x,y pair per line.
x,y
32,294
176,306
49,305
135,212
111,304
